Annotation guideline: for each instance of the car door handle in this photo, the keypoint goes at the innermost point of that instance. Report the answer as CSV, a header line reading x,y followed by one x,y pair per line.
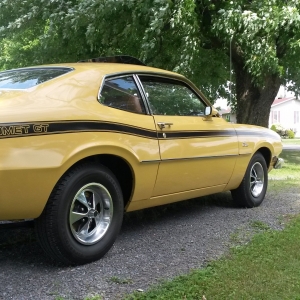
x,y
162,125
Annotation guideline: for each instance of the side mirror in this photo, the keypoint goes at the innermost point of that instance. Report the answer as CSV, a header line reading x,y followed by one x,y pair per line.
x,y
208,111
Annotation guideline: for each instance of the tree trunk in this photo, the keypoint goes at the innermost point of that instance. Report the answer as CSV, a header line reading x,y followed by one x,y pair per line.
x,y
254,102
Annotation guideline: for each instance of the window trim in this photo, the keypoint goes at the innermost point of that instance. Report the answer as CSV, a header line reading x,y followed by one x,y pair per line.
x,y
111,77
175,79
126,73
136,75
143,94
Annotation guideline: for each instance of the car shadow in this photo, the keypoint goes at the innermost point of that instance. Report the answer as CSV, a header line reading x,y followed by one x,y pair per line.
x,y
181,208
18,245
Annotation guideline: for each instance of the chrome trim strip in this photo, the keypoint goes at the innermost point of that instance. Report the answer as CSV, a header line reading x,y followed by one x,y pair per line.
x,y
188,158
100,89
150,161
143,94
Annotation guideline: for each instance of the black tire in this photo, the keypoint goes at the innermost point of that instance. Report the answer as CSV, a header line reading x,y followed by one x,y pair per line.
x,y
252,190
91,194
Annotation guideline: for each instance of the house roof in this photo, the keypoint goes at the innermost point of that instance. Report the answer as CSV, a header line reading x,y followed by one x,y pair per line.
x,y
225,111
282,100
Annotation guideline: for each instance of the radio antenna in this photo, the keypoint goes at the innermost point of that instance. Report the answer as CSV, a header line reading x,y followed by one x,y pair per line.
x,y
230,68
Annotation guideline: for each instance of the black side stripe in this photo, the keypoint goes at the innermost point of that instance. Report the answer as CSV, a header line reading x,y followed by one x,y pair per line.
x,y
196,134
23,129
11,130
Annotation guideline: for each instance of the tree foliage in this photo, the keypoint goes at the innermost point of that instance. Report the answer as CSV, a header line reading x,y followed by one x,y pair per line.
x,y
162,33
197,38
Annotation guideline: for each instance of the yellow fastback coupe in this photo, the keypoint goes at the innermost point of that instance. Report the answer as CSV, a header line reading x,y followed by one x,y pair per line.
x,y
83,142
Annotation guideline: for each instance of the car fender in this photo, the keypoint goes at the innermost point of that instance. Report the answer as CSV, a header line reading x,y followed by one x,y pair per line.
x,y
252,139
35,167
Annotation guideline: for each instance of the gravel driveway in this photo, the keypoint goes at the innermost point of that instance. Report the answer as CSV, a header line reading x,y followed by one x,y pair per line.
x,y
155,243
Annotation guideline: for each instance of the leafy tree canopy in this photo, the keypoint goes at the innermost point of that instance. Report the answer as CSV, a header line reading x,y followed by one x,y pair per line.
x,y
195,38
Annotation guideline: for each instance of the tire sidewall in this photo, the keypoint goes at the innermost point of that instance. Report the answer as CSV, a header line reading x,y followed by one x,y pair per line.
x,y
69,246
251,200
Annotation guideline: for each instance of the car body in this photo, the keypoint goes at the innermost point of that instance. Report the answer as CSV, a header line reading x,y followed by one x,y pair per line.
x,y
152,134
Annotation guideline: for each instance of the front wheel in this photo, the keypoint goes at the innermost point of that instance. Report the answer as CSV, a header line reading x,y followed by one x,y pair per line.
x,y
253,187
83,215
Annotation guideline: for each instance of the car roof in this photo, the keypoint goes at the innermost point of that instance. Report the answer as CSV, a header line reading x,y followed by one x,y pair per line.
x,y
100,70
110,68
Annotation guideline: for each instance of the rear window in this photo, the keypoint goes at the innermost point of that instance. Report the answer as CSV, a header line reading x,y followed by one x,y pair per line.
x,y
20,79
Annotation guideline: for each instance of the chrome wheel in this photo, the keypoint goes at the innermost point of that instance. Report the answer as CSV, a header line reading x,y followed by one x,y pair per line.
x,y
252,190
83,215
91,213
256,179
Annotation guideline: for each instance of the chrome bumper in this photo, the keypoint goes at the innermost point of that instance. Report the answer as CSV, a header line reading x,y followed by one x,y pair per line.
x,y
279,163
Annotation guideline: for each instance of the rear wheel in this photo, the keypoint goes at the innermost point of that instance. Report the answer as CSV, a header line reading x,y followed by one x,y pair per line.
x,y
253,187
83,215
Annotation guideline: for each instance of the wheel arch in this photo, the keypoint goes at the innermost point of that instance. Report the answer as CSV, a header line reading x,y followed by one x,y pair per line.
x,y
117,165
266,153
242,165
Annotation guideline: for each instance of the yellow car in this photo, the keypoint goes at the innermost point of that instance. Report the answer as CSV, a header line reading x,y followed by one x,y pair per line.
x,y
83,142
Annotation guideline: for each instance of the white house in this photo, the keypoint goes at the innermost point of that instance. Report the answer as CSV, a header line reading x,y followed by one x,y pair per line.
x,y
286,112
226,114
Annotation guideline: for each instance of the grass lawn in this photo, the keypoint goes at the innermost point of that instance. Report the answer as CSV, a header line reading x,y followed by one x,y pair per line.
x,y
267,268
290,171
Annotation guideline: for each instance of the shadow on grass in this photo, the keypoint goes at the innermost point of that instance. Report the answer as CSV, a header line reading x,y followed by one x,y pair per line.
x,y
291,156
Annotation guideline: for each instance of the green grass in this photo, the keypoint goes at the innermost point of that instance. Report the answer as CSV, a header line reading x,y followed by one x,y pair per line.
x,y
118,280
259,225
290,172
268,268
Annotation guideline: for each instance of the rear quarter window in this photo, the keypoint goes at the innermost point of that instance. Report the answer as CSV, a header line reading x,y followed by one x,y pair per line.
x,y
20,79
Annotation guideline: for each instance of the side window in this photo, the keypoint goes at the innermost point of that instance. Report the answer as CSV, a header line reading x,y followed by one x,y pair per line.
x,y
171,97
122,93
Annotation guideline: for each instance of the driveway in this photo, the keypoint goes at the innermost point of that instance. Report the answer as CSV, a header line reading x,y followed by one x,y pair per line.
x,y
154,244
291,147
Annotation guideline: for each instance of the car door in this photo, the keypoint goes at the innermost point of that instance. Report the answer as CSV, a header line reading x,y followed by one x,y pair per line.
x,y
196,151
130,127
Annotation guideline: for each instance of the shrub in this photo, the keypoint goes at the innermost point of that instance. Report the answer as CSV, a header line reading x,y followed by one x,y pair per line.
x,y
290,134
284,133
280,130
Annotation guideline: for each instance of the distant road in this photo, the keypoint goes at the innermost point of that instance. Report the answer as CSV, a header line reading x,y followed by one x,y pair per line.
x,y
291,147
